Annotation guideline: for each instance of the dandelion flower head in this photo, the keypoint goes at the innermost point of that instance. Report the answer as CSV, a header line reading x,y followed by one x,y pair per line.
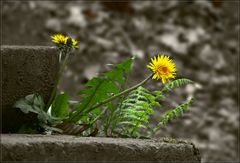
x,y
74,43
163,68
59,39
64,41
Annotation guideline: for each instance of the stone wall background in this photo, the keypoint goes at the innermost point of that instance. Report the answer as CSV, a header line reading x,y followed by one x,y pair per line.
x,y
202,36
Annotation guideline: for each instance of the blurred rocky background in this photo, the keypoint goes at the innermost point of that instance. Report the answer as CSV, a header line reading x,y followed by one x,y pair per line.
x,y
202,37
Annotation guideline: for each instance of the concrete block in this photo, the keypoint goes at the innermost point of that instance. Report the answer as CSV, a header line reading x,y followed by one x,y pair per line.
x,y
72,148
25,70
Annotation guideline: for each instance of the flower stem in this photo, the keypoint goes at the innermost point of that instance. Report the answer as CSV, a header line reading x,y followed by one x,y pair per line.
x,y
59,76
121,93
116,96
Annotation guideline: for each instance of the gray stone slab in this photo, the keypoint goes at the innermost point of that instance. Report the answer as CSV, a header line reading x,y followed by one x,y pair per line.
x,y
25,70
16,147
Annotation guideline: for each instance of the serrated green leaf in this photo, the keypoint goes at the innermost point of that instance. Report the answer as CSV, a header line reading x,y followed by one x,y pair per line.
x,y
177,111
38,101
93,82
24,106
97,90
31,103
134,112
34,103
60,106
126,65
176,83
115,75
120,71
29,98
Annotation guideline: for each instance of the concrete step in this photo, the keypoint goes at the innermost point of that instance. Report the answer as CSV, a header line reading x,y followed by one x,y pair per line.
x,y
19,147
25,70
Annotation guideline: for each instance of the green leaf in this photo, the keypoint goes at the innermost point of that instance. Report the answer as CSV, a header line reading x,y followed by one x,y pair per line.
x,y
29,98
176,112
159,95
31,103
97,90
134,112
24,106
120,71
116,75
34,103
43,118
126,65
38,101
60,106
176,83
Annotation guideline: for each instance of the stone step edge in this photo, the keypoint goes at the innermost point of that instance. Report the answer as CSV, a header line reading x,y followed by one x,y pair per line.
x,y
21,147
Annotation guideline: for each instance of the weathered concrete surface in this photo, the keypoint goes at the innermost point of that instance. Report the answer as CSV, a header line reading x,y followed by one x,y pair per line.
x,y
25,70
70,148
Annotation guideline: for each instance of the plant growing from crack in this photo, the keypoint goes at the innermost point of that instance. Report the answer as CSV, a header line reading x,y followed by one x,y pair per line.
x,y
50,114
107,105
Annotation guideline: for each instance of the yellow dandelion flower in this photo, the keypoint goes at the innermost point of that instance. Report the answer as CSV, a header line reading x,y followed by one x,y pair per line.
x,y
162,67
74,43
59,39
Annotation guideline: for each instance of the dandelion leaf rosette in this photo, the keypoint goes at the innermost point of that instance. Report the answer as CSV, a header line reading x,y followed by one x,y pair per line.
x,y
101,88
97,90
